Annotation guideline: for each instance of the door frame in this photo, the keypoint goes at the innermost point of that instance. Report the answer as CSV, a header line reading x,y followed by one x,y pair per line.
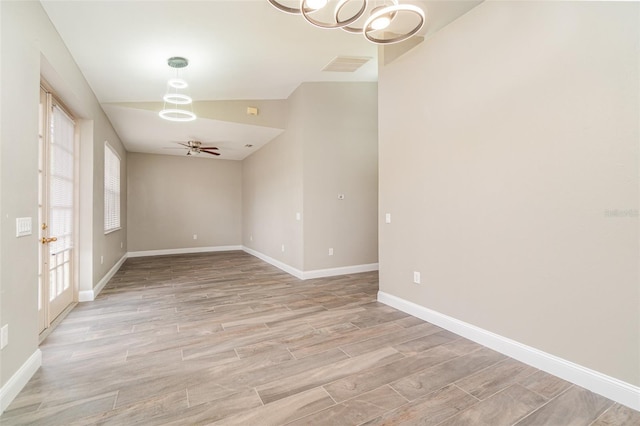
x,y
52,98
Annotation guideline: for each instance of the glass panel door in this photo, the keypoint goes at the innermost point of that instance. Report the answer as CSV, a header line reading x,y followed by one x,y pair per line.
x,y
57,209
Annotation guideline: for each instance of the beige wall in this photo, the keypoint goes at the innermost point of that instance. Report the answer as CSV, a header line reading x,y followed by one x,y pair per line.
x,y
329,147
272,193
509,164
340,157
30,46
172,198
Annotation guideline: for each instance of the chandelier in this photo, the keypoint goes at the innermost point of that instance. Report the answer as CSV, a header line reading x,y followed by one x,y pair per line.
x,y
174,98
376,26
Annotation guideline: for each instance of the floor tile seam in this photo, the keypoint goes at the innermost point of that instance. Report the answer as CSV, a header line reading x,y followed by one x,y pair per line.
x,y
498,391
409,376
314,412
535,371
365,371
188,401
291,353
520,420
470,394
324,366
343,347
459,412
400,395
340,347
432,334
384,410
70,404
453,415
115,400
601,415
255,389
542,396
482,370
571,385
425,369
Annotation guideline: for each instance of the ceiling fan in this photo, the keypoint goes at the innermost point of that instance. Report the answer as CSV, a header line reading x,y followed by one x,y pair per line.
x,y
195,147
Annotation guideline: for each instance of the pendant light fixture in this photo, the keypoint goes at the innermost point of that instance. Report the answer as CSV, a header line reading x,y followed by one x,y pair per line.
x,y
381,18
176,99
382,14
307,7
380,23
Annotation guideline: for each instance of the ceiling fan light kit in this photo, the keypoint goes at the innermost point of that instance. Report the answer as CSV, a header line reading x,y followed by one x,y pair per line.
x,y
382,14
174,97
196,147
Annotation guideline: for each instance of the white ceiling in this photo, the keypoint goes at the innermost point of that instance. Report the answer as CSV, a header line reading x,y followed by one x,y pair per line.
x,y
238,49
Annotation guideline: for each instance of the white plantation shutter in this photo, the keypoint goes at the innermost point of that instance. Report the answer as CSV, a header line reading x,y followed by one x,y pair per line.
x,y
61,180
111,189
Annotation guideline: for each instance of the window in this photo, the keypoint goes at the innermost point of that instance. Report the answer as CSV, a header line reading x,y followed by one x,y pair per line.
x,y
111,189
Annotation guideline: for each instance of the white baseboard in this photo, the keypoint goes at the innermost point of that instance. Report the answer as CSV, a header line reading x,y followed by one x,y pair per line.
x,y
182,251
270,260
14,385
318,273
90,295
609,387
343,270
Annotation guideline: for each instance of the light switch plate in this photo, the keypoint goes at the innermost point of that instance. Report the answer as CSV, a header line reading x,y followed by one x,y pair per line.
x,y
4,336
23,226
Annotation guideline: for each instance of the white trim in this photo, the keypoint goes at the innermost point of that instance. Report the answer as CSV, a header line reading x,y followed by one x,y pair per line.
x,y
183,251
14,385
90,295
343,270
318,273
609,387
280,265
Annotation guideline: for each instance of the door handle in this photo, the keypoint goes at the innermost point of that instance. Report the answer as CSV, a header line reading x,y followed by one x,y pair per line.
x,y
45,240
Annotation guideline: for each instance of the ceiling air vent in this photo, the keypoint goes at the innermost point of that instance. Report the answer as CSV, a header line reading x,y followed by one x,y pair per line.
x,y
346,63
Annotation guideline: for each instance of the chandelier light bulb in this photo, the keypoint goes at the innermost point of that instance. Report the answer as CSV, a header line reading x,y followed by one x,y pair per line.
x,y
381,23
174,114
307,10
178,83
316,4
389,12
177,98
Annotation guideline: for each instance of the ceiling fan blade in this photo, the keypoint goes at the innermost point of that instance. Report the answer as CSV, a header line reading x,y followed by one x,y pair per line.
x,y
208,147
209,152
184,144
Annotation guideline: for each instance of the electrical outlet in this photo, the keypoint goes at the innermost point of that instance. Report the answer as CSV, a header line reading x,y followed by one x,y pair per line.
x,y
4,336
387,218
416,277
331,252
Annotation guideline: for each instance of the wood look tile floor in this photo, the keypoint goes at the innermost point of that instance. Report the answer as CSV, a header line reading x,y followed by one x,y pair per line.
x,y
223,338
